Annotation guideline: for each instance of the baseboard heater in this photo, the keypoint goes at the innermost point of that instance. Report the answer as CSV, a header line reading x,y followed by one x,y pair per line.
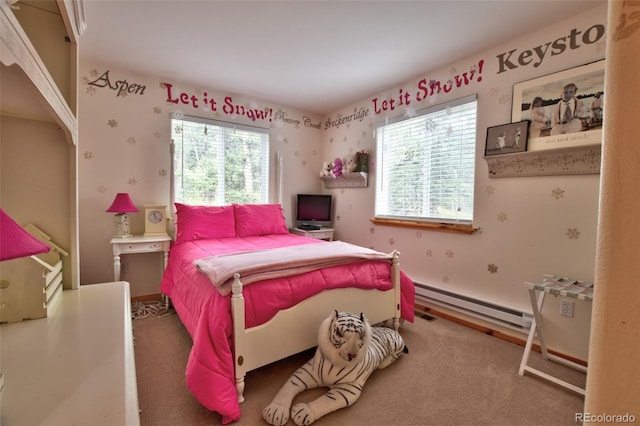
x,y
491,312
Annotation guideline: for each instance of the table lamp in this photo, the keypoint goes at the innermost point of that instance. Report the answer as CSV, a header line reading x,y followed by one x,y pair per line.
x,y
15,242
122,205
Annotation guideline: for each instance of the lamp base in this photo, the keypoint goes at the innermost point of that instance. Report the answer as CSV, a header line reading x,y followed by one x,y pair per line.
x,y
116,235
122,226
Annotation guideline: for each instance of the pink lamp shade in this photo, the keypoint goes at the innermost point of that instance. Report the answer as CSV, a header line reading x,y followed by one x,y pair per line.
x,y
122,204
15,242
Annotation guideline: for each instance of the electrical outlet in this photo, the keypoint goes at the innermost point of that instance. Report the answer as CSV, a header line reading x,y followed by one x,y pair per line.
x,y
566,308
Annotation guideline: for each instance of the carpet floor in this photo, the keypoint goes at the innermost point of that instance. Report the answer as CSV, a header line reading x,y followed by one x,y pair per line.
x,y
452,375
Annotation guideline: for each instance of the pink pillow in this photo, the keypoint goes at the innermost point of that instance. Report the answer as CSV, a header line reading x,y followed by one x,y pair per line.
x,y
259,219
204,222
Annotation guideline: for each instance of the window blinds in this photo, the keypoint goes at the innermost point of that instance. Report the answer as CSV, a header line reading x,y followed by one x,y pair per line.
x,y
426,164
219,163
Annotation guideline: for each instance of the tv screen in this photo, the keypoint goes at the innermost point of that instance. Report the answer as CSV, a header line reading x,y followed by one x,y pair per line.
x,y
313,210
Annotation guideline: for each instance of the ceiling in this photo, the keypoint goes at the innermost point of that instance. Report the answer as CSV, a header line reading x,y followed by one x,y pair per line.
x,y
316,56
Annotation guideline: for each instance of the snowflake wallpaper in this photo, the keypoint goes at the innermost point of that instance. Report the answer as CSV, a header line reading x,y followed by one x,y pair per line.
x,y
124,147
526,226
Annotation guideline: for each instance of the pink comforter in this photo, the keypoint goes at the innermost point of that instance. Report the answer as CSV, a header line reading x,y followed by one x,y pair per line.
x,y
206,314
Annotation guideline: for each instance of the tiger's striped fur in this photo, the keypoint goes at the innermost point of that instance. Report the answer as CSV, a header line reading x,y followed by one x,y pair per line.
x,y
349,350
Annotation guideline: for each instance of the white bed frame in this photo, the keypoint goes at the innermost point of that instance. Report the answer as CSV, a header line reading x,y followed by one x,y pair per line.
x,y
295,329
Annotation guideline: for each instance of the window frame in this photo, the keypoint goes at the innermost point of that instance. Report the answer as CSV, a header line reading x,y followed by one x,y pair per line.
x,y
265,175
424,222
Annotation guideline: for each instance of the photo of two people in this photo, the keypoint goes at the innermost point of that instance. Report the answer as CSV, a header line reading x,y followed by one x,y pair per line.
x,y
507,138
567,102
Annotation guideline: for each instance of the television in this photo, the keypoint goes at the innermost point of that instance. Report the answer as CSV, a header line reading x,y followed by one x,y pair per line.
x,y
313,211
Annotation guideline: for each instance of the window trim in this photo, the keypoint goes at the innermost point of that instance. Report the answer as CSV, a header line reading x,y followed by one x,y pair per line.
x,y
225,124
221,123
427,226
436,224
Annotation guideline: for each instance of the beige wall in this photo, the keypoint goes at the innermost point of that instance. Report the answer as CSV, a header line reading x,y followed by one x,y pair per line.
x,y
523,226
34,176
124,147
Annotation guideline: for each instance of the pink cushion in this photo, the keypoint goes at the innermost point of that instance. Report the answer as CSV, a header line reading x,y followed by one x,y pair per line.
x,y
259,219
204,222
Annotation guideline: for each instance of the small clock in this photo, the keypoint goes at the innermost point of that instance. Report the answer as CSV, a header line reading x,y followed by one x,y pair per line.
x,y
155,219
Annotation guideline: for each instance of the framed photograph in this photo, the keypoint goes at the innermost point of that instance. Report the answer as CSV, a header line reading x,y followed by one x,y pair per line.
x,y
507,138
565,109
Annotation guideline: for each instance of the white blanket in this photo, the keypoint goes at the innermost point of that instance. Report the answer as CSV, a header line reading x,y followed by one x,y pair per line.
x,y
281,262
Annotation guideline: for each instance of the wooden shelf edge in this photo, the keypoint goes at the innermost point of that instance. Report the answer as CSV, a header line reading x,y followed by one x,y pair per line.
x,y
580,160
17,49
346,180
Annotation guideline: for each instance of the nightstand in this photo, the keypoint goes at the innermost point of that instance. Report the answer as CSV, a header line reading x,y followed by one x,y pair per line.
x,y
139,244
319,234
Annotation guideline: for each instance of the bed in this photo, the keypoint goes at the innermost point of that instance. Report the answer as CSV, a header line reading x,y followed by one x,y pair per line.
x,y
243,319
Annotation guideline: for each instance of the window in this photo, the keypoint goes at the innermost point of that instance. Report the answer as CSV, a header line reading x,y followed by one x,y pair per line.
x,y
426,165
218,163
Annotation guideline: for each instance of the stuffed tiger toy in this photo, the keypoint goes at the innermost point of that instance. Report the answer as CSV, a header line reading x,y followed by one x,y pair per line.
x,y
349,350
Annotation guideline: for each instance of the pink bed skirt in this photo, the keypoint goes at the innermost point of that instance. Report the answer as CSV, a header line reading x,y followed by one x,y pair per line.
x,y
207,315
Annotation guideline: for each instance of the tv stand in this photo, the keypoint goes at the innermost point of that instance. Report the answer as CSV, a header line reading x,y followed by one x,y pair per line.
x,y
310,227
319,234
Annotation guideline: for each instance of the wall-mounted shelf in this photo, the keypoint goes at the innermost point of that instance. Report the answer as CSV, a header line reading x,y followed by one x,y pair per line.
x,y
39,84
580,160
18,49
346,180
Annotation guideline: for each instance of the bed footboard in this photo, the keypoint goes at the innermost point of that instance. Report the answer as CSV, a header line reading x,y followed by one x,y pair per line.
x,y
295,329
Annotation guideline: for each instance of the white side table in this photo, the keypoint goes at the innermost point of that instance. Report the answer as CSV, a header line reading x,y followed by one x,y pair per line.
x,y
319,234
139,244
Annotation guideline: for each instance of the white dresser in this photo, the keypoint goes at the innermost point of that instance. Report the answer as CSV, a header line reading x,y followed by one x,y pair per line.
x,y
75,367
